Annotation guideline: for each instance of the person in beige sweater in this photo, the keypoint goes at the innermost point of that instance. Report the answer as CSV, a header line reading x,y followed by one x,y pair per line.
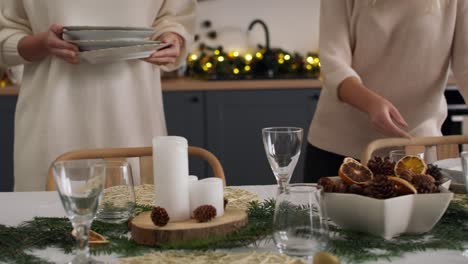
x,y
384,66
65,104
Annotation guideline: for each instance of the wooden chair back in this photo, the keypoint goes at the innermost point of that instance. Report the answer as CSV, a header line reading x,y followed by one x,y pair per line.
x,y
145,160
445,147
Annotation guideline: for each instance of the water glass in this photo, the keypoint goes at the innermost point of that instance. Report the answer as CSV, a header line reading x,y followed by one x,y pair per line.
x,y
282,147
118,200
464,162
396,155
300,227
80,184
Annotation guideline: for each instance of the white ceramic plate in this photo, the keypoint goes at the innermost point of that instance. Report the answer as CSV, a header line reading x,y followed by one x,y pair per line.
x,y
89,45
452,169
120,54
107,34
76,28
451,164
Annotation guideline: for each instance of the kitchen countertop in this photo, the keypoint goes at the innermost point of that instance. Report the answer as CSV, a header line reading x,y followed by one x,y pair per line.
x,y
188,84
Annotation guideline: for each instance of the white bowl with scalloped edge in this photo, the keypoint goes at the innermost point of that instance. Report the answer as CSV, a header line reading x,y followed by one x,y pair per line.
x,y
388,218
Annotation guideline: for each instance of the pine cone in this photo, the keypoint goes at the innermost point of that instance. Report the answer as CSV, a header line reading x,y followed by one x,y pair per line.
x,y
381,166
341,187
204,213
424,183
225,202
435,172
327,184
356,189
407,175
159,216
380,187
129,223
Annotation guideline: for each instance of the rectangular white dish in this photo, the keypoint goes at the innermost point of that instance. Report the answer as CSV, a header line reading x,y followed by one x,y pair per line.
x,y
409,214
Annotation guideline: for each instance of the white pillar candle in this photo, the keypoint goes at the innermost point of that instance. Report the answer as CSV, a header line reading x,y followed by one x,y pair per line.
x,y
209,191
170,171
192,183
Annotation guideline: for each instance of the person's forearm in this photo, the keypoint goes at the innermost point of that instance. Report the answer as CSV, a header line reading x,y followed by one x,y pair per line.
x,y
33,48
353,92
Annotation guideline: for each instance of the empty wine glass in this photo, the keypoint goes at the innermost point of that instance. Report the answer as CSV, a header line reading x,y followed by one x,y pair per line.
x,y
80,184
282,147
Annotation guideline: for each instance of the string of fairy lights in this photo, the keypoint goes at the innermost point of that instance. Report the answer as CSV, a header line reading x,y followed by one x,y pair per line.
x,y
217,64
4,81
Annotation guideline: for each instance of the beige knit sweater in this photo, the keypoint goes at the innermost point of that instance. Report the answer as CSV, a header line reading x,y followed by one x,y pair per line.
x,y
63,107
400,49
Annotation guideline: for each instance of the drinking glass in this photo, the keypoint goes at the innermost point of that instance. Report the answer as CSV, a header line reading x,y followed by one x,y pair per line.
x,y
464,162
282,147
396,155
118,199
80,184
300,227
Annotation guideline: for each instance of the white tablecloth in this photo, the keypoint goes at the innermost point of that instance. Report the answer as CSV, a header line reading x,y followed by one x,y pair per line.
x,y
19,207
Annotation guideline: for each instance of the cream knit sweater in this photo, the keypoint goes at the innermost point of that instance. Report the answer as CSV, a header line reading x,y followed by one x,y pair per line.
x,y
63,107
400,49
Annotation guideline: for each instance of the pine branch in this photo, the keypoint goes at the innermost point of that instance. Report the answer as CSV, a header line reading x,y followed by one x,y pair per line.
x,y
16,242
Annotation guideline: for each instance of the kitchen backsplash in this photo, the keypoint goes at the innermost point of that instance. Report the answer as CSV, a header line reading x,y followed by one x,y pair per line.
x,y
293,24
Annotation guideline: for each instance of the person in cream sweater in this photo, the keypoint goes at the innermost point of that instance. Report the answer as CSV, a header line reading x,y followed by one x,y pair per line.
x,y
65,104
384,66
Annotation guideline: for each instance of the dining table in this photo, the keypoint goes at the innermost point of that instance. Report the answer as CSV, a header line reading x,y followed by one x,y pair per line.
x,y
17,207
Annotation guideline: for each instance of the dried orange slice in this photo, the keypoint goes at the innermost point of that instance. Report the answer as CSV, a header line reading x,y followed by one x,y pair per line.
x,y
403,186
94,238
412,163
353,172
348,159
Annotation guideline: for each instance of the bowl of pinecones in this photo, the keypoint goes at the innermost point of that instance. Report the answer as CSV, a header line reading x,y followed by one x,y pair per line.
x,y
386,198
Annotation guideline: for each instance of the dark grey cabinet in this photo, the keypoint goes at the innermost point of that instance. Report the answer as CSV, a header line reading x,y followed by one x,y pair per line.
x,y
185,116
227,123
234,123
7,116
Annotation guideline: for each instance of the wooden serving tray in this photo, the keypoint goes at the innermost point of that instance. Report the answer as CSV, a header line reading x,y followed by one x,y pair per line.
x,y
144,232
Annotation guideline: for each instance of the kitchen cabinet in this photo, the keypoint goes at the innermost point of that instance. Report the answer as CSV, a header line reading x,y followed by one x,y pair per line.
x,y
185,117
229,123
7,116
234,123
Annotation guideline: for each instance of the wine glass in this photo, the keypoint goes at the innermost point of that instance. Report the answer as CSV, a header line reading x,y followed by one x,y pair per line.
x,y
282,147
300,227
80,184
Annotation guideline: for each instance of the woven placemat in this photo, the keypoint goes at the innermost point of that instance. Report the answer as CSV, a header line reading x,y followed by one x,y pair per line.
x,y
212,258
145,195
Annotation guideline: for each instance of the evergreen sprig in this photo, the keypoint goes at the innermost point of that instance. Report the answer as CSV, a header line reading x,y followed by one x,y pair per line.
x,y
16,243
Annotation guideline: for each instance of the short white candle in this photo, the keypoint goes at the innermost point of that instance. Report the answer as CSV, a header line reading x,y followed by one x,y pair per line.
x,y
192,183
209,191
170,168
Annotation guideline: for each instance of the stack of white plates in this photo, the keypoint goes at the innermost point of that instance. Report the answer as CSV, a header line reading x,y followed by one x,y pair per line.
x,y
110,44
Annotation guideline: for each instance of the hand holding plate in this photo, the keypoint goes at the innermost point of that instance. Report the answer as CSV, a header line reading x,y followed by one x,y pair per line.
x,y
170,54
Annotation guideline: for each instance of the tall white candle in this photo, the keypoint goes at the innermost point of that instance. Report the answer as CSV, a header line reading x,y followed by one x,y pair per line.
x,y
209,191
170,171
